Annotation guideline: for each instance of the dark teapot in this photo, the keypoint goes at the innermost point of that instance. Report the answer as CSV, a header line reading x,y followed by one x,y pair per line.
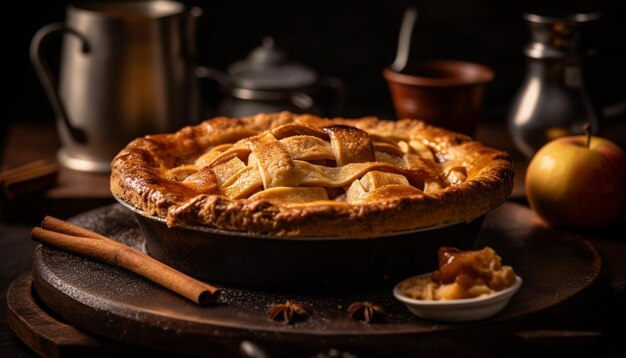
x,y
268,81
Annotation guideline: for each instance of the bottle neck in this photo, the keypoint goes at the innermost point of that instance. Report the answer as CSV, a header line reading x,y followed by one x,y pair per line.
x,y
560,70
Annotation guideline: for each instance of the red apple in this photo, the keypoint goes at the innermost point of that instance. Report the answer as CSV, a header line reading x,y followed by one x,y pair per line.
x,y
578,182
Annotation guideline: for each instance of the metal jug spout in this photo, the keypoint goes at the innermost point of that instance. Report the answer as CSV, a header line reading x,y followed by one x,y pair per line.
x,y
211,73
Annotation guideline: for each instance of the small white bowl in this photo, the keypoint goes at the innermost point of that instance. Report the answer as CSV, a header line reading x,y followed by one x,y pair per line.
x,y
459,310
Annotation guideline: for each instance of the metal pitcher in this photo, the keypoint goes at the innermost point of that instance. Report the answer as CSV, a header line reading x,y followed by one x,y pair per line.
x,y
553,100
126,70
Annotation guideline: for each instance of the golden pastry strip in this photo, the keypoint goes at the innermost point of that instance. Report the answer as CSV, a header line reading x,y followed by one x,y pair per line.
x,y
422,149
396,160
350,144
203,181
242,183
289,164
375,179
387,148
287,195
357,193
180,173
391,191
225,171
274,162
305,147
334,177
208,157
239,150
293,129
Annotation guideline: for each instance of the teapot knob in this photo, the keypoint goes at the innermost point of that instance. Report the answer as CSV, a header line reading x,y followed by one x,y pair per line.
x,y
268,54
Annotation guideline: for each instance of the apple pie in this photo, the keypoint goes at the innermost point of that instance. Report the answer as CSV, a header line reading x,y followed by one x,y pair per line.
x,y
294,175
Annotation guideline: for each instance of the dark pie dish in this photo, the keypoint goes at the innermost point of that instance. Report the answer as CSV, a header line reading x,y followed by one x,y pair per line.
x,y
297,202
299,264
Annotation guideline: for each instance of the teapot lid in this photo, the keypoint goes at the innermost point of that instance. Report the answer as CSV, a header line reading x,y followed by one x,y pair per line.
x,y
269,68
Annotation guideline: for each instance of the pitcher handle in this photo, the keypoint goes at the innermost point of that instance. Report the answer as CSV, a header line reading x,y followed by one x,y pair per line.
x,y
47,78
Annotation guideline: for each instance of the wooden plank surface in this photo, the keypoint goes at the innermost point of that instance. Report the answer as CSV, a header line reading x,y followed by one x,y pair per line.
x,y
28,142
74,192
48,336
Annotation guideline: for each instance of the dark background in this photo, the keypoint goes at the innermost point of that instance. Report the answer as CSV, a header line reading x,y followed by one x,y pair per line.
x,y
354,40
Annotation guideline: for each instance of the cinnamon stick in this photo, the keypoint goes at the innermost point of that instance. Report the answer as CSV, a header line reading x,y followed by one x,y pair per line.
x,y
21,170
27,178
78,240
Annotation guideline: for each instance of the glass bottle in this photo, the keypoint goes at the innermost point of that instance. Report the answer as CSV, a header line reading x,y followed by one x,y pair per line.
x,y
552,101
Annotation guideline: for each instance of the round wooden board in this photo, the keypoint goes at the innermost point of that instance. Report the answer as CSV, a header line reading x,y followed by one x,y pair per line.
x,y
113,303
47,334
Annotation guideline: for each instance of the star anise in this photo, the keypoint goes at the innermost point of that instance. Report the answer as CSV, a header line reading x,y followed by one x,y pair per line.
x,y
289,312
366,311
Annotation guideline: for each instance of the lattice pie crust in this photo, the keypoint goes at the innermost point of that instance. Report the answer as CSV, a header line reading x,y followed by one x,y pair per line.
x,y
300,175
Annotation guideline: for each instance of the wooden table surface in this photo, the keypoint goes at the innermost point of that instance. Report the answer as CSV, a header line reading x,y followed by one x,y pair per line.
x,y
75,191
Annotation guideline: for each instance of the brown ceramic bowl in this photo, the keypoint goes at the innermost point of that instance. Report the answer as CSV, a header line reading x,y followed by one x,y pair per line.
x,y
444,93
300,264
